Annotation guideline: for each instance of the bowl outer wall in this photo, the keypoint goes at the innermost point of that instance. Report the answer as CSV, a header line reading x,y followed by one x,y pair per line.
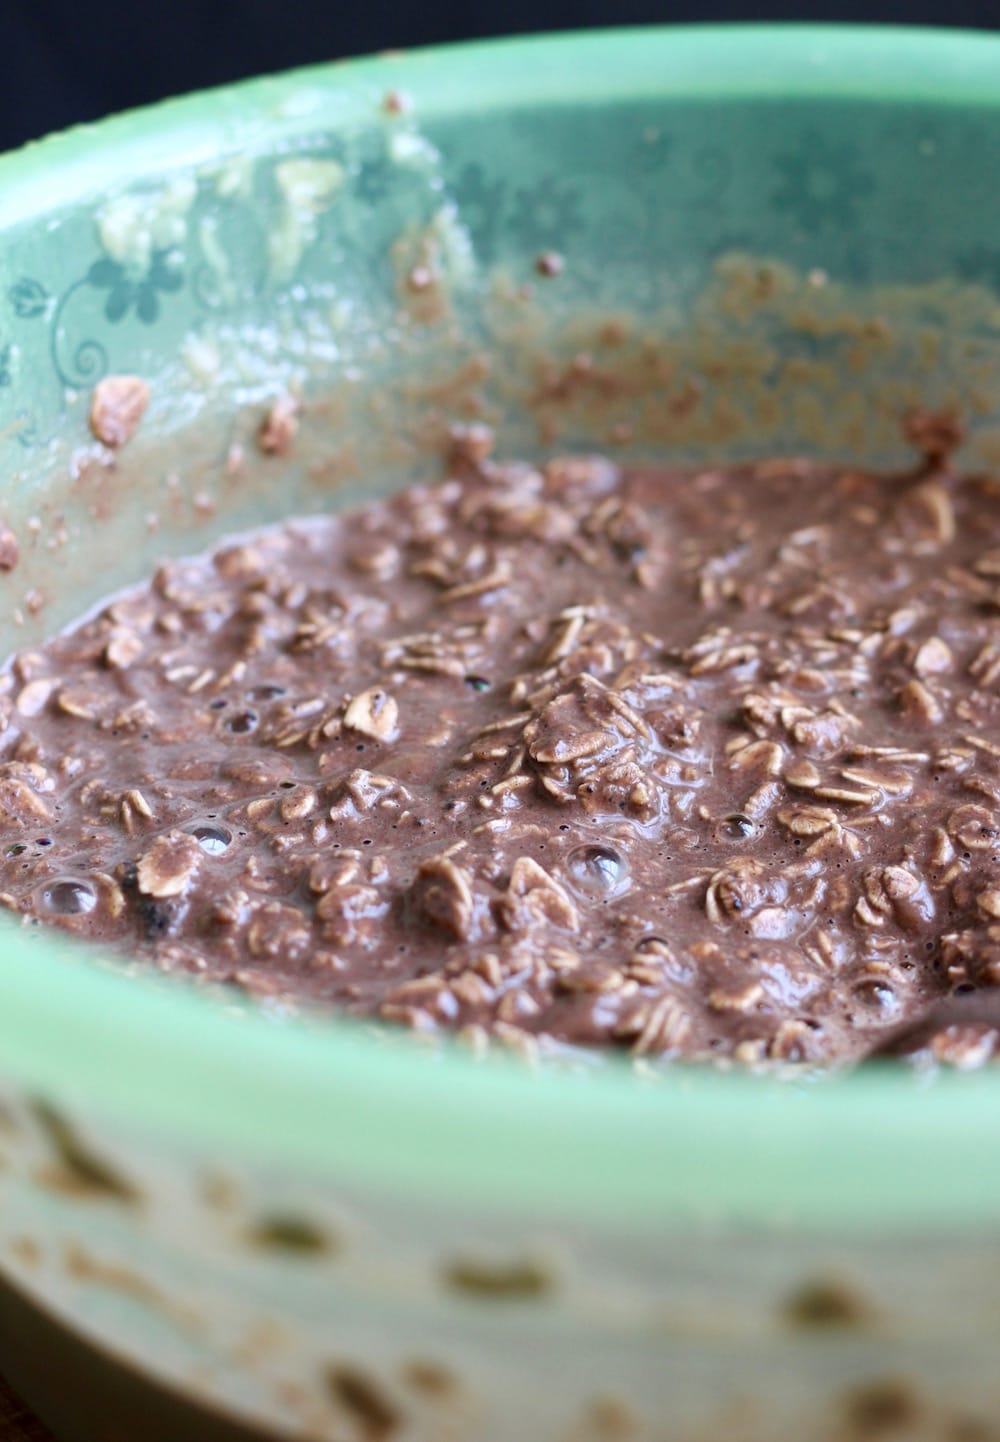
x,y
876,1147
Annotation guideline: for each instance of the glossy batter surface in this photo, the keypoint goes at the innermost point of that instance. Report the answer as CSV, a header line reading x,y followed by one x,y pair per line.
x,y
688,763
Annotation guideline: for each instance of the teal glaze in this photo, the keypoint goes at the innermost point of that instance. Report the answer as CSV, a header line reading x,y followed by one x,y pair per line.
x,y
871,156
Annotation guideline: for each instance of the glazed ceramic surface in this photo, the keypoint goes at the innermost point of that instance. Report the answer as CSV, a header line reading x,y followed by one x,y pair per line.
x,y
774,241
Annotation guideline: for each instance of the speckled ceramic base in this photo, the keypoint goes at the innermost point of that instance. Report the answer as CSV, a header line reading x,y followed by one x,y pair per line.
x,y
773,241
83,1395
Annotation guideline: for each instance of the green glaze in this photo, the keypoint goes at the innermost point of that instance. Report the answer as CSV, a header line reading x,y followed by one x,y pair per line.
x,y
257,224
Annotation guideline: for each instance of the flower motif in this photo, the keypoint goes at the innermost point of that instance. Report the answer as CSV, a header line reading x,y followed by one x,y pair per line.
x,y
27,429
28,297
980,264
855,265
712,170
480,203
546,215
731,242
651,153
822,184
124,291
624,228
373,183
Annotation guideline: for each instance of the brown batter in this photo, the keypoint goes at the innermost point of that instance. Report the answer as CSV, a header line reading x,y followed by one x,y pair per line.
x,y
704,764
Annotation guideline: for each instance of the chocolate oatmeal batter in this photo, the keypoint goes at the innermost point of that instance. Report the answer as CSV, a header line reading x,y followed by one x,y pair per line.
x,y
700,764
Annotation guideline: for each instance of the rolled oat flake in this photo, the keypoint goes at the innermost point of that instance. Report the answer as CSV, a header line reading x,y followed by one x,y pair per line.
x,y
698,764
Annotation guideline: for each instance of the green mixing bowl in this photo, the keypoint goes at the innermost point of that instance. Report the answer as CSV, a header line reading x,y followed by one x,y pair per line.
x,y
775,240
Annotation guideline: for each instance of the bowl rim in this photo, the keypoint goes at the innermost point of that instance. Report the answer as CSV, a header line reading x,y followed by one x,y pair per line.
x,y
884,62
323,1095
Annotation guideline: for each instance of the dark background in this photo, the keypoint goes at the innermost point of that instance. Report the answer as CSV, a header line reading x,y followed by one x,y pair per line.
x,y
70,60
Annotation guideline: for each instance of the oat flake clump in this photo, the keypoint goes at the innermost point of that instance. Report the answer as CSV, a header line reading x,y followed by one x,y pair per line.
x,y
700,764
277,431
117,408
10,550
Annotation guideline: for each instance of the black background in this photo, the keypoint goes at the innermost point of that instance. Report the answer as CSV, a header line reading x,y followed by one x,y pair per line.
x,y
70,60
